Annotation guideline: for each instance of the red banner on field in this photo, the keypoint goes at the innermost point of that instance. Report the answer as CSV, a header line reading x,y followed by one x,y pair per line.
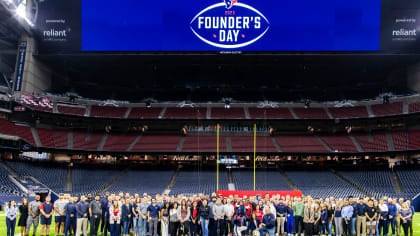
x,y
240,194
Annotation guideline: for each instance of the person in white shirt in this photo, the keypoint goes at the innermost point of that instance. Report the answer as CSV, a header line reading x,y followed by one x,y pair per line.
x,y
229,213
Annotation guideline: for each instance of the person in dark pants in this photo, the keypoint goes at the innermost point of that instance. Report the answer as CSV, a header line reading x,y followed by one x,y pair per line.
x,y
308,219
405,217
383,218
60,214
347,215
23,212
298,209
70,215
195,217
115,219
46,210
212,222
153,217
104,207
11,214
95,212
219,216
174,219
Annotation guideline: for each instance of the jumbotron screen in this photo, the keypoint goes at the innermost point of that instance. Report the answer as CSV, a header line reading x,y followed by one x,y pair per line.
x,y
228,25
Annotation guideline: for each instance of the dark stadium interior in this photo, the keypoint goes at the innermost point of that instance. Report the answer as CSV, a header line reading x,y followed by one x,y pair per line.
x,y
243,78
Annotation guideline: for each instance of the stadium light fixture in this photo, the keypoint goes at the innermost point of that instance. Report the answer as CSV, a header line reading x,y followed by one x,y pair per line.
x,y
307,103
148,104
227,104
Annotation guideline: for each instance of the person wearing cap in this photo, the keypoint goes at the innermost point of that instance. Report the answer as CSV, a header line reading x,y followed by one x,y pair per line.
x,y
60,214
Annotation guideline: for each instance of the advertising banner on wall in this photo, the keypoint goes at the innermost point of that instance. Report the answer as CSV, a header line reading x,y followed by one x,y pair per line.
x,y
20,66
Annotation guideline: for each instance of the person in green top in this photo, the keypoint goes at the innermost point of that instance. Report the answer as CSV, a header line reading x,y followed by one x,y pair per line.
x,y
298,209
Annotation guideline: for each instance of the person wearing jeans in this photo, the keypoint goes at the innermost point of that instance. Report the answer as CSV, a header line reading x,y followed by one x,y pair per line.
x,y
143,217
104,217
70,215
392,215
11,214
126,213
338,220
268,223
289,218
204,212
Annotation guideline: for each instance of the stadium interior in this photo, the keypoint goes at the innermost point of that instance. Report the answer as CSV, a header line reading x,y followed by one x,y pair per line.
x,y
96,122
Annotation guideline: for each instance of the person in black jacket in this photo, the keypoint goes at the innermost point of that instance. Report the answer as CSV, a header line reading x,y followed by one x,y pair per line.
x,y
126,213
204,212
195,218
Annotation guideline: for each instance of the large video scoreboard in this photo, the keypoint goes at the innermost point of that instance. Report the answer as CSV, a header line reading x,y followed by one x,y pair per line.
x,y
270,26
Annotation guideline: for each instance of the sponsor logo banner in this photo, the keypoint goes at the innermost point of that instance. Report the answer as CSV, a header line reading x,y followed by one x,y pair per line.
x,y
20,65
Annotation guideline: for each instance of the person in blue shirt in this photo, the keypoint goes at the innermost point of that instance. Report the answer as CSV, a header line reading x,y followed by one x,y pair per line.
x,y
70,215
11,214
361,217
289,218
153,217
82,209
46,210
324,219
281,217
347,215
268,223
353,203
392,215
104,206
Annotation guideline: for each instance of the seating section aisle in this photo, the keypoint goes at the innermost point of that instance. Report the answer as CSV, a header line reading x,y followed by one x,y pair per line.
x,y
322,184
269,180
52,176
143,181
193,182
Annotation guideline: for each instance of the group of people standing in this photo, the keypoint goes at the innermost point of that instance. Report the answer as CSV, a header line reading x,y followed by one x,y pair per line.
x,y
215,215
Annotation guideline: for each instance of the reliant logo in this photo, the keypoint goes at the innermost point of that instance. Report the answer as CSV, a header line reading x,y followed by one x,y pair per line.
x,y
404,32
56,33
229,25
